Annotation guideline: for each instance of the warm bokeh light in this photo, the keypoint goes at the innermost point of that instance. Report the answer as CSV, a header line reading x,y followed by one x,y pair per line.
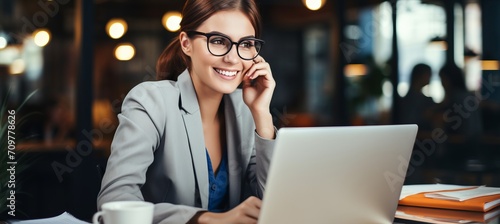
x,y
439,44
116,28
490,65
17,67
314,4
171,21
352,70
41,37
3,42
9,54
124,52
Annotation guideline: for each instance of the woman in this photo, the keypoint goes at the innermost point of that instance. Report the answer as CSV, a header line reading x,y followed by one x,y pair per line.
x,y
460,119
416,107
198,147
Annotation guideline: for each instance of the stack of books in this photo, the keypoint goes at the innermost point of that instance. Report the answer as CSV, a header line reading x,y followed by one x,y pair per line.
x,y
478,203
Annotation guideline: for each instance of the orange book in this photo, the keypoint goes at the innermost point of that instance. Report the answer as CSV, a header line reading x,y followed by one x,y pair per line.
x,y
455,216
481,204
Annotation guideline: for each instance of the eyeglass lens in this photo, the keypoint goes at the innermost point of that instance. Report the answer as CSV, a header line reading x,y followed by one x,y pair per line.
x,y
247,48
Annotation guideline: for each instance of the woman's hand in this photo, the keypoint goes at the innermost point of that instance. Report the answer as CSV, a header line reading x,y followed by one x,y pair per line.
x,y
258,85
258,88
245,213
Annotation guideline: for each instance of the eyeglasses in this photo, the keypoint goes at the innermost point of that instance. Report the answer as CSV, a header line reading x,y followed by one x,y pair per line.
x,y
219,45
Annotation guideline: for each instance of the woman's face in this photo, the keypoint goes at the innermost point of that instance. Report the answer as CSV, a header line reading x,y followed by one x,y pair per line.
x,y
218,74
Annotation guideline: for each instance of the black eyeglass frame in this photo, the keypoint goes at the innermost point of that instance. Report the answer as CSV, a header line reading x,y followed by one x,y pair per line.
x,y
192,33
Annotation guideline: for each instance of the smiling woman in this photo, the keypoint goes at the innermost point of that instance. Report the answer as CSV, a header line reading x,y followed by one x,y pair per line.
x,y
200,147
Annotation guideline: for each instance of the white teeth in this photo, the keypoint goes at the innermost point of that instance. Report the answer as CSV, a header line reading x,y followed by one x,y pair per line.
x,y
226,73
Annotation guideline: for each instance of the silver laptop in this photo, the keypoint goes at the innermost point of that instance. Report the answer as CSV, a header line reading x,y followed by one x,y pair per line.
x,y
325,175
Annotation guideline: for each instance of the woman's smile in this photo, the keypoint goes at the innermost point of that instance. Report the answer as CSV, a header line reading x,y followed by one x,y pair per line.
x,y
226,74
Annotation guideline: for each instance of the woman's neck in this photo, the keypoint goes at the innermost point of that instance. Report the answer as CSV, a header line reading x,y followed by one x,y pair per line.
x,y
209,106
209,101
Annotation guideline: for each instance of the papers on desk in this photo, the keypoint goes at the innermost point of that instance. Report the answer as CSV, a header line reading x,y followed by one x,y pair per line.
x,y
422,188
64,218
469,198
465,194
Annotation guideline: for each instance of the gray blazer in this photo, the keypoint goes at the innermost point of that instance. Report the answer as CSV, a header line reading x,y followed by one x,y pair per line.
x,y
158,152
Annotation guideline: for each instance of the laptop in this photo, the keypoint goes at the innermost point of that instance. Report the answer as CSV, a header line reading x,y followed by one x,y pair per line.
x,y
348,174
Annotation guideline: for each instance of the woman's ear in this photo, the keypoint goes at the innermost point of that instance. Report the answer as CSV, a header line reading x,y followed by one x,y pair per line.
x,y
185,43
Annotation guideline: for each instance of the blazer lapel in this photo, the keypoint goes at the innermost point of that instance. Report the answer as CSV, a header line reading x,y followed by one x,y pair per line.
x,y
237,157
194,130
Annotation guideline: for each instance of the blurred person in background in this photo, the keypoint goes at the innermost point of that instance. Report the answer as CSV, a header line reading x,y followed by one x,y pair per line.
x,y
460,107
460,118
416,107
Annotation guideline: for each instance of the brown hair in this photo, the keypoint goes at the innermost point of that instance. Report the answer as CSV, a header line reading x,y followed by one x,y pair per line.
x,y
173,61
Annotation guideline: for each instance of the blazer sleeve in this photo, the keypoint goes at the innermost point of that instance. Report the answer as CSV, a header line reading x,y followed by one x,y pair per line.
x,y
262,159
257,170
137,137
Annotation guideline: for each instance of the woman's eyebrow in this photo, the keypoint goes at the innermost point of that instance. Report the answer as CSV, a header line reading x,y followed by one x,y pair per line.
x,y
249,36
218,33
225,35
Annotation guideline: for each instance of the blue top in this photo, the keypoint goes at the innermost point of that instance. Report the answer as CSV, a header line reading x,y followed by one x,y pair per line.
x,y
218,185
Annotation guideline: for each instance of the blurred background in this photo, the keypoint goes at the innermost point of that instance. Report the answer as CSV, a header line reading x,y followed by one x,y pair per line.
x,y
336,63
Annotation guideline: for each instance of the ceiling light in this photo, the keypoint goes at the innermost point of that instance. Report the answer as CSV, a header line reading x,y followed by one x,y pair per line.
x,y
116,28
41,37
124,52
314,4
171,21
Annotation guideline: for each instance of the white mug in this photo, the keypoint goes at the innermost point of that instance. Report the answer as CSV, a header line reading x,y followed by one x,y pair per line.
x,y
125,212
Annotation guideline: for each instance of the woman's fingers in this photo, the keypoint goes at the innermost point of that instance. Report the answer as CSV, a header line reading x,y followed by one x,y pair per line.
x,y
258,59
252,207
259,68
